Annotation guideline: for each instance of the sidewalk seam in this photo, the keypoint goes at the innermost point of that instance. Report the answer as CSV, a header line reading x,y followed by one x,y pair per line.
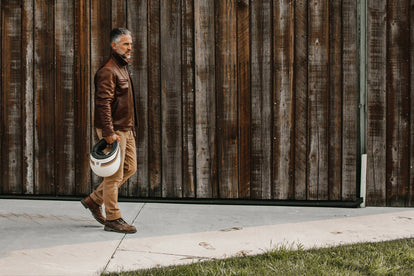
x,y
122,239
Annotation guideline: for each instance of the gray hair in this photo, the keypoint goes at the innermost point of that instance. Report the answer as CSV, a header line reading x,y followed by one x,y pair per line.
x,y
116,34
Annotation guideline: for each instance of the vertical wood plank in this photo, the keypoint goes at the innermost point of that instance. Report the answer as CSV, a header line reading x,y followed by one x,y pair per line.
x,y
226,80
188,98
27,85
154,98
301,99
119,13
171,101
376,90
100,30
11,103
261,99
411,190
350,151
318,92
243,87
318,95
138,25
100,50
44,98
205,105
2,182
283,100
64,97
335,100
82,92
398,107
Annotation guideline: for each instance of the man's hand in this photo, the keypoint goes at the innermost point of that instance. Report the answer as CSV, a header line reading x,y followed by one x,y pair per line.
x,y
113,138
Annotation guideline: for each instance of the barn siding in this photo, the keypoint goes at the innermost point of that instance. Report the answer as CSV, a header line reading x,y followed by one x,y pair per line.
x,y
64,98
411,183
390,108
44,99
154,99
11,115
283,97
171,99
318,88
236,99
205,103
350,97
82,95
261,101
138,24
188,98
301,99
27,94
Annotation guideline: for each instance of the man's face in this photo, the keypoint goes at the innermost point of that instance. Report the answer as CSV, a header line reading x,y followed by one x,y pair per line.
x,y
124,46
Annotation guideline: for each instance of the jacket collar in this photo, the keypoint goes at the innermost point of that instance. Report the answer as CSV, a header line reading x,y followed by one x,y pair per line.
x,y
119,59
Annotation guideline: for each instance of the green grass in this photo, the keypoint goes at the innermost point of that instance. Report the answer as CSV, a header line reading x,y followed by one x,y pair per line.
x,y
382,258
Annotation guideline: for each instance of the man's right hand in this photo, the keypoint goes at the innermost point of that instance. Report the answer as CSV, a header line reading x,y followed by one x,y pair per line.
x,y
112,138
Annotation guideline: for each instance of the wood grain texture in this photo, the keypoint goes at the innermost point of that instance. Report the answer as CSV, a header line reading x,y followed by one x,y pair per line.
x,y
261,99
376,122
318,68
44,98
411,189
28,88
188,97
236,99
2,182
119,13
283,95
154,99
11,98
138,25
171,99
64,98
350,145
335,100
301,100
227,111
398,104
243,88
205,100
82,91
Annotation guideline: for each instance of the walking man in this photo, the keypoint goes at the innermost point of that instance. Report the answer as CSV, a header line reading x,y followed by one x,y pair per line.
x,y
115,119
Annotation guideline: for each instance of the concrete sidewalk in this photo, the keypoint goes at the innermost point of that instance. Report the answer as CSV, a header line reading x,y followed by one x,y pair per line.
x,y
40,237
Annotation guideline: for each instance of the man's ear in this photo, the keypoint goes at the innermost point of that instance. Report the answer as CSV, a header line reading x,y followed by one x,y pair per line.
x,y
113,44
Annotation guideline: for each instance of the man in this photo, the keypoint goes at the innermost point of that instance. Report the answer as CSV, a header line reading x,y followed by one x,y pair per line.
x,y
115,119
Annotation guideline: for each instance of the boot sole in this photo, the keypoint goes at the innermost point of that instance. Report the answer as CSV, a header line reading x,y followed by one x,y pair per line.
x,y
87,207
106,228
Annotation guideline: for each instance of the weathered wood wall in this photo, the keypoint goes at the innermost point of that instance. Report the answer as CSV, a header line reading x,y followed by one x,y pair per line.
x,y
237,99
390,73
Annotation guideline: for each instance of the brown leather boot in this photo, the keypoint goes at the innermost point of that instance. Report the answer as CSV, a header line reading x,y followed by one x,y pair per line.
x,y
95,209
120,226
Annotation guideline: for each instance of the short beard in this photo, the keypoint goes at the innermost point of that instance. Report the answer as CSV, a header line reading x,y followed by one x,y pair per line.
x,y
123,55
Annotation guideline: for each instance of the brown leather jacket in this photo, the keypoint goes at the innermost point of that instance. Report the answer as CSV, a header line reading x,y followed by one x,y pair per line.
x,y
114,101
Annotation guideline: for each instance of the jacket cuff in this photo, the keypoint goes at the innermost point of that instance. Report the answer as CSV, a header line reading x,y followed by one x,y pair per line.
x,y
107,132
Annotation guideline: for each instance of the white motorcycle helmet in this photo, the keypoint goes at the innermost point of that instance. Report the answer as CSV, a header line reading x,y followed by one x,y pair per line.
x,y
105,164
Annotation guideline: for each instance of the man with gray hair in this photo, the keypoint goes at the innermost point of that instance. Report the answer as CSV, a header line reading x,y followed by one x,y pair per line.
x,y
115,119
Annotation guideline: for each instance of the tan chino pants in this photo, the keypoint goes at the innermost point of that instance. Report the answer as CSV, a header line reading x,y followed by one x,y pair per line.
x,y
107,192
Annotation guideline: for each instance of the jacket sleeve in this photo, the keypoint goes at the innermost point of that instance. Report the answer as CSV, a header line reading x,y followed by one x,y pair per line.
x,y
105,83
